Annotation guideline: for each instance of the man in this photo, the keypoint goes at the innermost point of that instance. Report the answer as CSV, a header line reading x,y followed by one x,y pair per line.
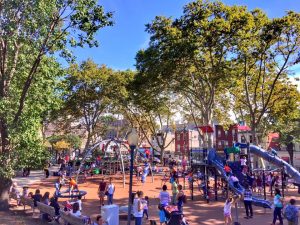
x,y
174,191
291,213
248,202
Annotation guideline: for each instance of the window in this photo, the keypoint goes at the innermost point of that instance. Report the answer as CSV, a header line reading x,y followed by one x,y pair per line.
x,y
233,132
226,143
178,148
250,138
220,143
226,132
178,136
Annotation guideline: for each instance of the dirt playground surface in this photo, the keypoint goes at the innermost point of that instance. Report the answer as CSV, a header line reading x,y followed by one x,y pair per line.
x,y
197,211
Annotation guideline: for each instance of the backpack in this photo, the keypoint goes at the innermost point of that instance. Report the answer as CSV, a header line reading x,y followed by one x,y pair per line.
x,y
290,213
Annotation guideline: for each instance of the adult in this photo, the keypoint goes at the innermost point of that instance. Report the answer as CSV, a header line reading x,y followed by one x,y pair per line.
x,y
180,198
291,213
75,210
164,196
174,191
138,208
101,191
248,202
46,198
278,204
36,197
55,205
184,163
110,192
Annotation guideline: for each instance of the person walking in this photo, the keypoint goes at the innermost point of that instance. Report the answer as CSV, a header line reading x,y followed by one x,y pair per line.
x,y
110,192
291,213
278,204
180,198
174,191
101,191
248,202
138,208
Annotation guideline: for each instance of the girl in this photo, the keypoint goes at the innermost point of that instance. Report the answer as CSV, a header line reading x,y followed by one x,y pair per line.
x,y
278,204
227,211
146,204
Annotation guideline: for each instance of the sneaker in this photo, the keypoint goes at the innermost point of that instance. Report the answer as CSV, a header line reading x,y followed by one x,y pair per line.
x,y
246,217
251,217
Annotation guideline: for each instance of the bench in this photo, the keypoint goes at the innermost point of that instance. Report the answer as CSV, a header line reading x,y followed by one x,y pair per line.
x,y
43,208
73,220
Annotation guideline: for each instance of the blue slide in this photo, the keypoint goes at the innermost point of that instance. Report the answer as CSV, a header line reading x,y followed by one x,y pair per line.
x,y
218,162
275,160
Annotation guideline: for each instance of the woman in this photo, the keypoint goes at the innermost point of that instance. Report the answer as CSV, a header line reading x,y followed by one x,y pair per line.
x,y
45,198
101,191
110,192
278,204
55,205
180,198
138,208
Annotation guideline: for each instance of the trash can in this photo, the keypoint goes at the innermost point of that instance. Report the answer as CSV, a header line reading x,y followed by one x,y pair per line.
x,y
110,213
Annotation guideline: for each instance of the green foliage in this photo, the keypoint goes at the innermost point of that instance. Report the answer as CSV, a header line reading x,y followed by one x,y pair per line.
x,y
33,31
73,140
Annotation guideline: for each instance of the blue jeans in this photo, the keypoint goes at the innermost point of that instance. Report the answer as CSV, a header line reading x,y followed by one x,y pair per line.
x,y
110,199
138,220
277,213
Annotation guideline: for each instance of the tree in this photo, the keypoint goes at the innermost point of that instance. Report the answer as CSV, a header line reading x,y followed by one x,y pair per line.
x,y
192,55
31,32
91,92
265,53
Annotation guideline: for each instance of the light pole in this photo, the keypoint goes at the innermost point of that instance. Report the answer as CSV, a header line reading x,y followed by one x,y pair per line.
x,y
133,140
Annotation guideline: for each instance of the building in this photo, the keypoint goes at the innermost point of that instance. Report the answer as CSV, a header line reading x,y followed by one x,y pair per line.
x,y
186,139
235,133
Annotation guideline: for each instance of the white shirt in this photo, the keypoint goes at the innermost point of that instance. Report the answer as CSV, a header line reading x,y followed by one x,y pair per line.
x,y
227,208
110,189
80,204
243,162
136,212
77,214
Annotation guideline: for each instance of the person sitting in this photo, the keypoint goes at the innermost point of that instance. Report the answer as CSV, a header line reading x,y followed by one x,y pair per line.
x,y
36,197
75,210
235,181
14,191
99,221
55,205
227,169
79,202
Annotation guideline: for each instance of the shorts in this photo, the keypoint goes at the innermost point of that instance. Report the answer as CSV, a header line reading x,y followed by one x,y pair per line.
x,y
227,215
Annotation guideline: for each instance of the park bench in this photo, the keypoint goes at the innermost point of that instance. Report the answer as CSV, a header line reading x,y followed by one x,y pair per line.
x,y
73,220
46,209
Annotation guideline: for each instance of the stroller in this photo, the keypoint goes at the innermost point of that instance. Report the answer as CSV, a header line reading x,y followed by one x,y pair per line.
x,y
177,218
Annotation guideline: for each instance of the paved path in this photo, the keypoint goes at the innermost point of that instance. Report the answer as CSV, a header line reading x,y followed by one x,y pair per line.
x,y
35,176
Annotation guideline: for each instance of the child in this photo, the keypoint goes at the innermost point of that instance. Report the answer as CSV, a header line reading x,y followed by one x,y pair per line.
x,y
146,204
227,211
162,215
25,192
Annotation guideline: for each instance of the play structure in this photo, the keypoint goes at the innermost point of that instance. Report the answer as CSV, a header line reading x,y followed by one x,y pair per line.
x,y
214,162
116,158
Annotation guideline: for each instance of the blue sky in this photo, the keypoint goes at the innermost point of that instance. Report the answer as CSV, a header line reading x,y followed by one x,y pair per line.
x,y
119,44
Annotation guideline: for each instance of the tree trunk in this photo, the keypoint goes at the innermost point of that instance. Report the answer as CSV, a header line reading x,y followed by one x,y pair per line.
x,y
290,150
5,185
208,137
254,134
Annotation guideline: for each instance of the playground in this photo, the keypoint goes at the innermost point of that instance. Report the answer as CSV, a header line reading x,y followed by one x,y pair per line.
x,y
207,183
